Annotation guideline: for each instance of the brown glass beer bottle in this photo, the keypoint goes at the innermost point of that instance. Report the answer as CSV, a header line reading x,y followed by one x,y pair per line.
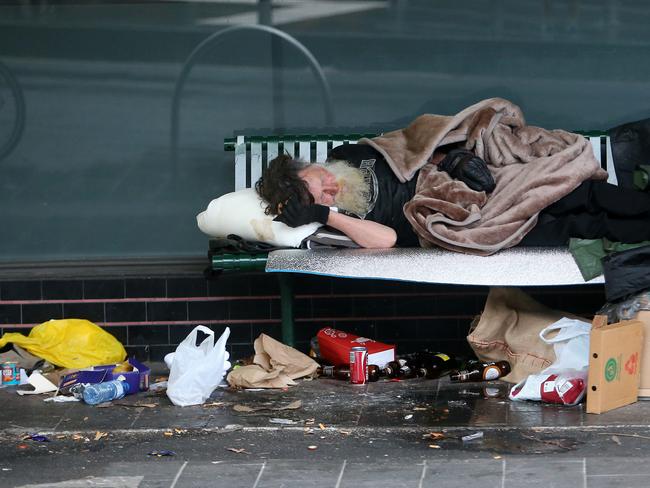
x,y
435,365
481,371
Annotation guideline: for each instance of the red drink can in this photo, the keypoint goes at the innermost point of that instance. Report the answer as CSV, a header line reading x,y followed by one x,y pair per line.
x,y
359,365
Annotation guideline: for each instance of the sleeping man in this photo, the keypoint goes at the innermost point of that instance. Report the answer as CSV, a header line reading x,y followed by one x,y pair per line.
x,y
403,188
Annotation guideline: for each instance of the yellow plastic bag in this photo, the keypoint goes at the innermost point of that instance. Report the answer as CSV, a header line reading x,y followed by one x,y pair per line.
x,y
71,343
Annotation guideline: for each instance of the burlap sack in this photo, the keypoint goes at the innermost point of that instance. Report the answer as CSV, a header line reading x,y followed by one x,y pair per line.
x,y
508,329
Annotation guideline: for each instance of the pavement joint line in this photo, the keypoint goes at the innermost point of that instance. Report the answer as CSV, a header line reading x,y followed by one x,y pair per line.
x,y
178,475
617,475
259,475
422,474
335,429
340,478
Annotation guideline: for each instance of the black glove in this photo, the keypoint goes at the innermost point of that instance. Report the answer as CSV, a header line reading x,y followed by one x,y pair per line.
x,y
465,166
295,214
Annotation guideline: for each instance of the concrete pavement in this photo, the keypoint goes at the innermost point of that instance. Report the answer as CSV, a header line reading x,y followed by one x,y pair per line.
x,y
385,434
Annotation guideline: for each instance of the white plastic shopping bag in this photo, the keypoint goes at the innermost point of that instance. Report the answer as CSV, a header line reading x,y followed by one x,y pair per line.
x,y
571,344
564,381
197,370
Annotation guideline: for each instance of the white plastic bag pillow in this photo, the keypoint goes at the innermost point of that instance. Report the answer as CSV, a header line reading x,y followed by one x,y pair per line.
x,y
242,213
196,371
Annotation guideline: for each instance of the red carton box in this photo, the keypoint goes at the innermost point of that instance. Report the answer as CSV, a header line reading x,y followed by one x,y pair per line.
x,y
335,345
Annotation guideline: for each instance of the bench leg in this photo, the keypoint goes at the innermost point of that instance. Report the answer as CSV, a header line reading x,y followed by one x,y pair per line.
x,y
286,307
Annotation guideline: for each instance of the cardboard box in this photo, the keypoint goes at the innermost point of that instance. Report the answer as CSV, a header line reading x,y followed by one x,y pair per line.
x,y
644,385
335,345
138,379
614,364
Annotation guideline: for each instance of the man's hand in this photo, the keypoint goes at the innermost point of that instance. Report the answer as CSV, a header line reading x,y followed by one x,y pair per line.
x,y
294,214
465,166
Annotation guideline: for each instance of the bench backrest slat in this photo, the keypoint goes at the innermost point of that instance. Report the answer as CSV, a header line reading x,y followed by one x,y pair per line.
x,y
289,148
256,162
252,154
611,171
595,145
321,150
241,167
304,151
272,151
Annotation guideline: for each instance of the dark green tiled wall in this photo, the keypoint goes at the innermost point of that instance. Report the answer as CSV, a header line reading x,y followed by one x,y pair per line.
x,y
151,324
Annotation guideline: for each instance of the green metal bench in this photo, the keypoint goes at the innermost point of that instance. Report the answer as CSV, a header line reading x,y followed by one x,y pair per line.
x,y
252,155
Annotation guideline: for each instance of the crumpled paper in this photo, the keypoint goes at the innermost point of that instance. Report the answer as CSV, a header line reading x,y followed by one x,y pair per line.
x,y
275,365
40,383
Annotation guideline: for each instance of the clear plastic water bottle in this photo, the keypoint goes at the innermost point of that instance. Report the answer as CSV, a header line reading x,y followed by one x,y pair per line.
x,y
105,392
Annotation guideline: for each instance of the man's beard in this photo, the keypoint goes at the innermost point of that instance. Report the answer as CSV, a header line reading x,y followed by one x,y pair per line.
x,y
354,188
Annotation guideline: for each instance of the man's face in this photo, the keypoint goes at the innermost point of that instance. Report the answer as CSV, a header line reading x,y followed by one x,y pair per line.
x,y
338,184
321,183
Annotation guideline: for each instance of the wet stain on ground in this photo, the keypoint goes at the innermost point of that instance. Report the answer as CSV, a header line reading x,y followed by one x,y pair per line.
x,y
509,442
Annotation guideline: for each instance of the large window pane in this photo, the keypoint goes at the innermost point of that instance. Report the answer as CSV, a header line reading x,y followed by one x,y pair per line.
x,y
91,173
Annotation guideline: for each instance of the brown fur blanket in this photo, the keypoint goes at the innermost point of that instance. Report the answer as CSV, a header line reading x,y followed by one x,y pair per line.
x,y
532,167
